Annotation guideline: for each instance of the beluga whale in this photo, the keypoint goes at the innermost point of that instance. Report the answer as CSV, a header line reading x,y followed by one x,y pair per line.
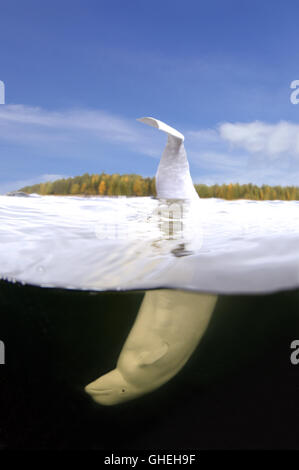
x,y
170,323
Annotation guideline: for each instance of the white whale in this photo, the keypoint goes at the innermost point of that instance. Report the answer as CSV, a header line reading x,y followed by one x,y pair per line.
x,y
170,323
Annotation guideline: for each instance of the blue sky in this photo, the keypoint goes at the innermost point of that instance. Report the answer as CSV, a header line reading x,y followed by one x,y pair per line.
x,y
78,74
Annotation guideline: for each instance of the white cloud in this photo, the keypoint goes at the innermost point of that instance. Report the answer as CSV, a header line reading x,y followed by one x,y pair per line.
x,y
271,140
256,152
99,122
217,161
34,125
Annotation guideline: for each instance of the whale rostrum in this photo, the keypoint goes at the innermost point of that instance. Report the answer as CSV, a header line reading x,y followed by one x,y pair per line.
x,y
170,323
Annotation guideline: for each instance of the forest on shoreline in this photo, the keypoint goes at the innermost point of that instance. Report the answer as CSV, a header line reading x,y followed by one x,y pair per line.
x,y
135,185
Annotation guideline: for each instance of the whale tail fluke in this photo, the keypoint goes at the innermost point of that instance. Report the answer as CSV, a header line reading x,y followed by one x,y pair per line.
x,y
173,179
162,127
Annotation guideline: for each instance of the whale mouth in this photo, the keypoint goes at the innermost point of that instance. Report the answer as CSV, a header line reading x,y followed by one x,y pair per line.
x,y
94,391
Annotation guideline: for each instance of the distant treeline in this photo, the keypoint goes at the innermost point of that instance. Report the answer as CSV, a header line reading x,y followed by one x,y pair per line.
x,y
135,185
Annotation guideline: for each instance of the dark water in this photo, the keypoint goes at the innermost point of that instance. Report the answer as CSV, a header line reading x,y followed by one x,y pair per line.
x,y
239,390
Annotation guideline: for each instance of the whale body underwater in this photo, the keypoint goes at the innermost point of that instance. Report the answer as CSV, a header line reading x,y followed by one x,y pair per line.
x,y
170,323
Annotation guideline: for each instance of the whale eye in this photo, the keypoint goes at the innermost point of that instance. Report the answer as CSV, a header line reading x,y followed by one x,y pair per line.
x,y
123,390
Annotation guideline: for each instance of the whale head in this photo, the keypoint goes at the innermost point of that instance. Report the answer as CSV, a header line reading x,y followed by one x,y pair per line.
x,y
111,389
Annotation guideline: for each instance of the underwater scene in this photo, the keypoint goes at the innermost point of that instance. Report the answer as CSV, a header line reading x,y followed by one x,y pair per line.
x,y
145,323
